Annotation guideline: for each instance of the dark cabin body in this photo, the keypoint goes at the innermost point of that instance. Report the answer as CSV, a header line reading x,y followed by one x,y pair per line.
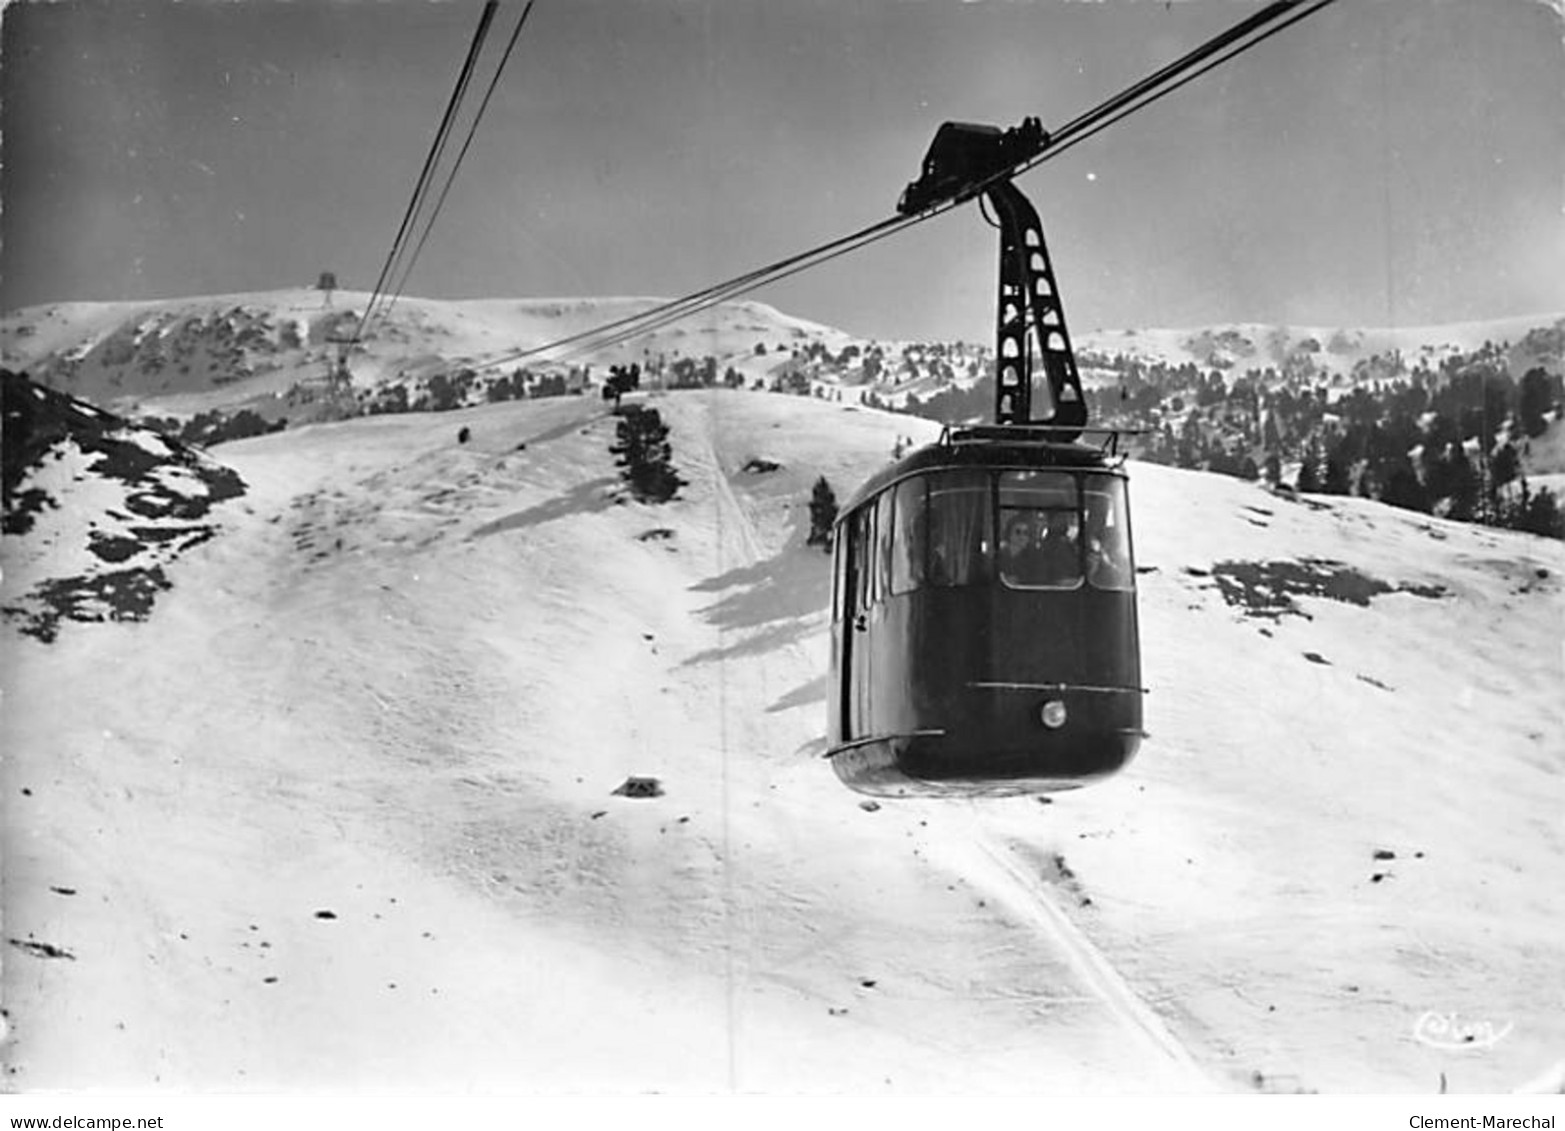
x,y
953,672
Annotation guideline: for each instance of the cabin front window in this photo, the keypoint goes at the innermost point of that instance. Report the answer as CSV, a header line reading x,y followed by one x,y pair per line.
x,y
1061,530
1040,530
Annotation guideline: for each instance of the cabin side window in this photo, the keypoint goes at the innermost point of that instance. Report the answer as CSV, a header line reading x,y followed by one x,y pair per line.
x,y
839,572
960,534
908,541
1041,544
883,534
863,528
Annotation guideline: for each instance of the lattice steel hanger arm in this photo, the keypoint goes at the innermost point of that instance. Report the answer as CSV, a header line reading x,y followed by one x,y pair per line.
x,y
1030,315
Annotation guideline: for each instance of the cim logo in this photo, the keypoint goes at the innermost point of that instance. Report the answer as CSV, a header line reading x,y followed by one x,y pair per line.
x,y
1451,1031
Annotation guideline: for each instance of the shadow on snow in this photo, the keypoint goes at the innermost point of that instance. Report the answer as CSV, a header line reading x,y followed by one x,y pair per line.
x,y
584,498
770,604
804,695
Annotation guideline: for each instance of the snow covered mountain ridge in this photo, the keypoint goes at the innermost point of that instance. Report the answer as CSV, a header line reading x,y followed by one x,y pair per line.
x,y
275,352
227,351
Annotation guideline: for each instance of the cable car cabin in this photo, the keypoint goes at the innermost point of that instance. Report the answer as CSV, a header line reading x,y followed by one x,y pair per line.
x,y
984,637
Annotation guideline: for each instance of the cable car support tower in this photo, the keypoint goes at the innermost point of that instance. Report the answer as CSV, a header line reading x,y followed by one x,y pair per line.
x,y
967,160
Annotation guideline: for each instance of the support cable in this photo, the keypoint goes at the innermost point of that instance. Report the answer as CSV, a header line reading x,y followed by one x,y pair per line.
x,y
467,142
430,161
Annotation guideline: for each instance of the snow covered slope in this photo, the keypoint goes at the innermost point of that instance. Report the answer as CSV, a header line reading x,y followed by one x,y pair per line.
x,y
342,812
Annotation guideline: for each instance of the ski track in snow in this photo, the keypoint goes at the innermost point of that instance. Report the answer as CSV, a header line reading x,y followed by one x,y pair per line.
x,y
1009,878
1023,892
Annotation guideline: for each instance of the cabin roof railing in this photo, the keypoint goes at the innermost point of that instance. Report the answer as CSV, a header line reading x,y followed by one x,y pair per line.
x,y
1000,446
1106,440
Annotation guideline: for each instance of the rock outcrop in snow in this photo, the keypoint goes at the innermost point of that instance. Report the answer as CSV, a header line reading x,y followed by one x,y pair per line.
x,y
104,507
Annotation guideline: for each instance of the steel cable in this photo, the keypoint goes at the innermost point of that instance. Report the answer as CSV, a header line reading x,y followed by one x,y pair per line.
x,y
430,161
467,142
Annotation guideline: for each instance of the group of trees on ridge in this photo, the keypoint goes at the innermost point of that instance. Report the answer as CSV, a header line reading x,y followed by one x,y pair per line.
x,y
645,455
1447,440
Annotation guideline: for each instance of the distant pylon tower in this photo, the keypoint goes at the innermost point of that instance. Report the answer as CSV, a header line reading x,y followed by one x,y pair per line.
x,y
337,375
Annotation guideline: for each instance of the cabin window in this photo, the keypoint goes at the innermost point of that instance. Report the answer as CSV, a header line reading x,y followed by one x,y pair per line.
x,y
863,528
1109,564
1041,545
839,569
883,539
960,535
907,543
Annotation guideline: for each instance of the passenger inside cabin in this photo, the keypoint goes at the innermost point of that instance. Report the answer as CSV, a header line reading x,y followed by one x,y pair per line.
x,y
1108,564
1020,560
1060,553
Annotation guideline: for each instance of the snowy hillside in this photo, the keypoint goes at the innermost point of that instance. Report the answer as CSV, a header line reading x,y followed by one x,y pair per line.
x,y
346,810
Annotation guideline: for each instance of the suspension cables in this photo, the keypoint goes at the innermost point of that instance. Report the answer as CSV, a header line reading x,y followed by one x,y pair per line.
x,y
1182,71
467,142
622,330
426,179
1243,36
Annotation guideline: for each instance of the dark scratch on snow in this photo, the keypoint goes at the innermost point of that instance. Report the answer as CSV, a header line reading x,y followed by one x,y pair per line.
x,y
42,949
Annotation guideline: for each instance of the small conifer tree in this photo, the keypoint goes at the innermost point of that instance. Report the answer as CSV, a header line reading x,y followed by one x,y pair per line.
x,y
823,514
620,382
1309,469
645,455
1543,516
1273,469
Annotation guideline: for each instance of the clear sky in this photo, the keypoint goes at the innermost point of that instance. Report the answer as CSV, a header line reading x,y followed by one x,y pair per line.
x,y
1386,162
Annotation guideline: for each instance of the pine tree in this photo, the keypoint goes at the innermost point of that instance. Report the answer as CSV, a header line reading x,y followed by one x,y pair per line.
x,y
1309,469
823,514
645,454
620,382
1402,487
1337,479
1273,469
1504,466
1533,400
1462,485
1543,515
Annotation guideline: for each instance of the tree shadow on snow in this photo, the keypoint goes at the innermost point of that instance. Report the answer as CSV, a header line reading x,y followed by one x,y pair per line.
x,y
802,696
564,428
584,498
768,639
771,603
